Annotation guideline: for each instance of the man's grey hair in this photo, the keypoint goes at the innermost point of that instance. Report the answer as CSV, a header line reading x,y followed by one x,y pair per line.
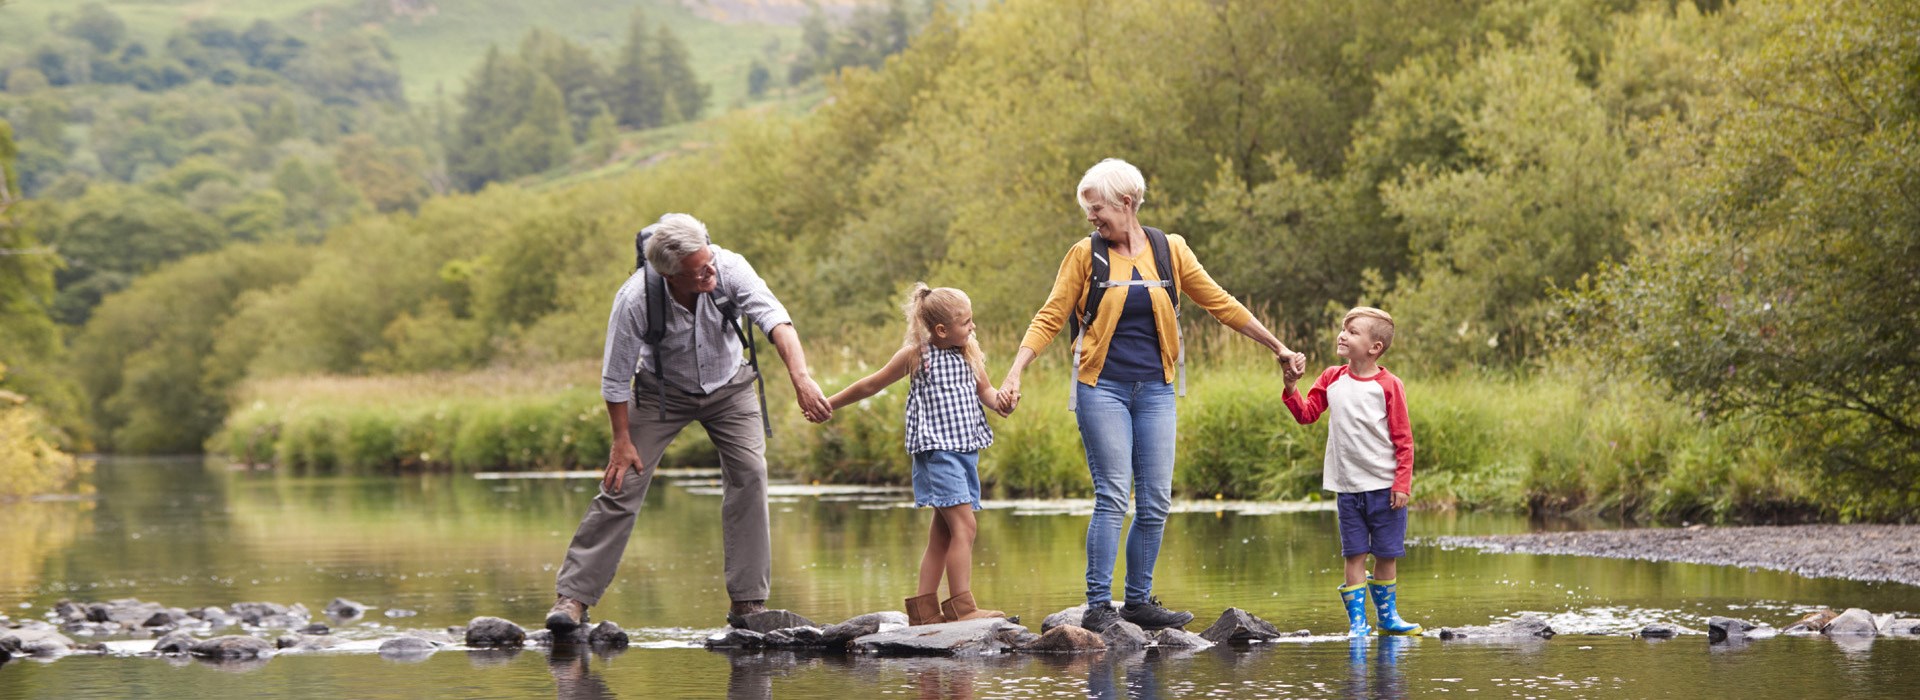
x,y
674,238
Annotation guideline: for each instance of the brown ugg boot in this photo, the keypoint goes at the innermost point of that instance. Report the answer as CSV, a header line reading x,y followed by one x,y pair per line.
x,y
924,610
960,607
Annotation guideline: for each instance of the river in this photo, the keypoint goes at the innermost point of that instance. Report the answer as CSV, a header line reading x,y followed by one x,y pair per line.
x,y
446,548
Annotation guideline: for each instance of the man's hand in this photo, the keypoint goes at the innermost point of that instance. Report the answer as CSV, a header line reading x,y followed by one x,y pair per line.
x,y
1287,370
813,402
1399,500
622,457
1298,363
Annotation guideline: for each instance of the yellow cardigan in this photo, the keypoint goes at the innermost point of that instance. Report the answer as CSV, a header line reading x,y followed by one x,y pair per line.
x,y
1069,296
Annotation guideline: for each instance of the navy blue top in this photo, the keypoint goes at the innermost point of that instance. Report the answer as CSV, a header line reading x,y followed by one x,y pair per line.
x,y
1134,353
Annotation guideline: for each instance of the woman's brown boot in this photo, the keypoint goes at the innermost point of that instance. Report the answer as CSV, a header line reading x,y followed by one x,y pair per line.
x,y
924,610
960,607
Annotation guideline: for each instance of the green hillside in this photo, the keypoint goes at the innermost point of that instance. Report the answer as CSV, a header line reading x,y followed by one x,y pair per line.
x,y
439,41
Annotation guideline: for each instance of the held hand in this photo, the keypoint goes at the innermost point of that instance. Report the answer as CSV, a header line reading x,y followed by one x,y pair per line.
x,y
1010,393
812,401
1399,500
1298,363
621,458
1002,404
1287,371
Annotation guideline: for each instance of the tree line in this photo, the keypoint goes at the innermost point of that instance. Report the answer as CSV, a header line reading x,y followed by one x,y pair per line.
x,y
1709,198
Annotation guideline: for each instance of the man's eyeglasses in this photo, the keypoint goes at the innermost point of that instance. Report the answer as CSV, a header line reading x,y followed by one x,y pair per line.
x,y
706,272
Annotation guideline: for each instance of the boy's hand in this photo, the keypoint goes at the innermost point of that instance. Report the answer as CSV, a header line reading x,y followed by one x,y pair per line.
x,y
1399,500
1289,373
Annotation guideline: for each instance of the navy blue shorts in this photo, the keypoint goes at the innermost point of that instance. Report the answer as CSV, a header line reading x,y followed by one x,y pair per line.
x,y
1369,524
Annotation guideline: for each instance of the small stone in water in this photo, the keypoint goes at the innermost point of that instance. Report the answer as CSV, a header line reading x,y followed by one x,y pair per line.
x,y
397,612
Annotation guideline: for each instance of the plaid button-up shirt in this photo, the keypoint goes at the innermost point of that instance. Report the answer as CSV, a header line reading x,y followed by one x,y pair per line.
x,y
701,353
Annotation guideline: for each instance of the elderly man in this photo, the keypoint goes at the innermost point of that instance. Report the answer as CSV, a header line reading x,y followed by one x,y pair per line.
x,y
693,371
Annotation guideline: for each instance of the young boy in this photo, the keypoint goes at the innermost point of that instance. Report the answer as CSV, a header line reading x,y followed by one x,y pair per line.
x,y
1369,463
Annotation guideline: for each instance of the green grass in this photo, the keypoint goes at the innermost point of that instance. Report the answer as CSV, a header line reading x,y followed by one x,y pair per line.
x,y
1545,442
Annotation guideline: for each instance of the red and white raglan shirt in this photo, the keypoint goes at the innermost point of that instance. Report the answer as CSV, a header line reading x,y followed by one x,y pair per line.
x,y
1369,440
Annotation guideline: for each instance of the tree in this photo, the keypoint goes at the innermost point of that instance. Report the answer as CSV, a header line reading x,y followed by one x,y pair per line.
x,y
116,233
544,140
99,26
637,95
758,78
1786,283
686,96
391,179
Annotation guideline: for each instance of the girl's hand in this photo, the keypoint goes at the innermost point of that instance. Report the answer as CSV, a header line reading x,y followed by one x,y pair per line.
x,y
1002,404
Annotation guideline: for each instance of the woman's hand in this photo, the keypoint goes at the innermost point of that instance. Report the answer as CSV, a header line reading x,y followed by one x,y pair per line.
x,y
1009,394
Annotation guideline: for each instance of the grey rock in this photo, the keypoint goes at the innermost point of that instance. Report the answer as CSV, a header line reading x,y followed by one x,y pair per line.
x,y
1664,630
1176,638
310,643
1069,616
1124,636
608,635
1855,622
97,612
176,643
35,642
982,636
407,645
70,611
1524,626
285,641
542,637
315,628
255,613
837,636
397,613
1019,638
1720,629
494,632
1904,627
159,619
737,638
770,620
281,622
1236,625
235,646
1066,639
809,637
343,609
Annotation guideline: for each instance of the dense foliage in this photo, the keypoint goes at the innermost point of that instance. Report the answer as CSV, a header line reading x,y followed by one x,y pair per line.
x,y
1707,199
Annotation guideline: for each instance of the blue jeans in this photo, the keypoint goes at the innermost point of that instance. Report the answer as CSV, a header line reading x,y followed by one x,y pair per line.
x,y
1128,430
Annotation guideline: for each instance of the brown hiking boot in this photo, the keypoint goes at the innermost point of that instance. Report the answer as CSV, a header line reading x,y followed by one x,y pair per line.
x,y
566,614
737,615
924,610
960,607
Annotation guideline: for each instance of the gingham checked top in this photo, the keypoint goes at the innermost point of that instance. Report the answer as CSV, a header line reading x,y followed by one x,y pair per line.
x,y
943,405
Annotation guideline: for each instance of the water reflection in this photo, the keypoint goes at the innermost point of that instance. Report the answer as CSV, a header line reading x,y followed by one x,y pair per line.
x,y
1374,670
1124,675
571,666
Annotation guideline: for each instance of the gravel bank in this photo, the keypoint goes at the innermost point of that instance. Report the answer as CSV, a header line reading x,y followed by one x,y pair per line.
x,y
1859,552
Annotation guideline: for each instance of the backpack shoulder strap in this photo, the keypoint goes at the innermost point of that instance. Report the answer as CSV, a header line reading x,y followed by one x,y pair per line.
x,y
1163,261
1099,269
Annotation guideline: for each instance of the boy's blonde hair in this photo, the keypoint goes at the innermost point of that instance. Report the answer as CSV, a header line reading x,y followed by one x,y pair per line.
x,y
928,307
1379,324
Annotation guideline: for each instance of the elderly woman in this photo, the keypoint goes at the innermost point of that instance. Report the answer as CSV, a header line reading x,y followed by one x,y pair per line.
x,y
1119,289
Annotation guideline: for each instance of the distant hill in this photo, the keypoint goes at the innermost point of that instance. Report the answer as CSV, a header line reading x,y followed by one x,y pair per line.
x,y
439,41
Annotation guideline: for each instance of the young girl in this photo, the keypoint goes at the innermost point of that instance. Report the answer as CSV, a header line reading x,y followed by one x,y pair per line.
x,y
945,431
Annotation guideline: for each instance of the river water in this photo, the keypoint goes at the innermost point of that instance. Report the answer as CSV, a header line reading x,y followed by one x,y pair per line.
x,y
446,548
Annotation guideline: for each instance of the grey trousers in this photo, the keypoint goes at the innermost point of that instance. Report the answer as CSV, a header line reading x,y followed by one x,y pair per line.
x,y
731,417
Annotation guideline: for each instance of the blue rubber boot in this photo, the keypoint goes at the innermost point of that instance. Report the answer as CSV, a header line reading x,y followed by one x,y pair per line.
x,y
1384,604
1355,596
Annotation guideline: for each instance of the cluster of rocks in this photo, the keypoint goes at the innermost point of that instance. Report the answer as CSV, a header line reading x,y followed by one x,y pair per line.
x,y
1855,623
887,633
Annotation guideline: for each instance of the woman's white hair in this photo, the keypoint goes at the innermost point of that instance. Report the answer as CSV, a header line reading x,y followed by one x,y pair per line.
x,y
1112,179
674,238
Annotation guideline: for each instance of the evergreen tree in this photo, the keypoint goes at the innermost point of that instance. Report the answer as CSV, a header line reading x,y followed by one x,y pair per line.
x,y
758,77
686,95
544,140
635,93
